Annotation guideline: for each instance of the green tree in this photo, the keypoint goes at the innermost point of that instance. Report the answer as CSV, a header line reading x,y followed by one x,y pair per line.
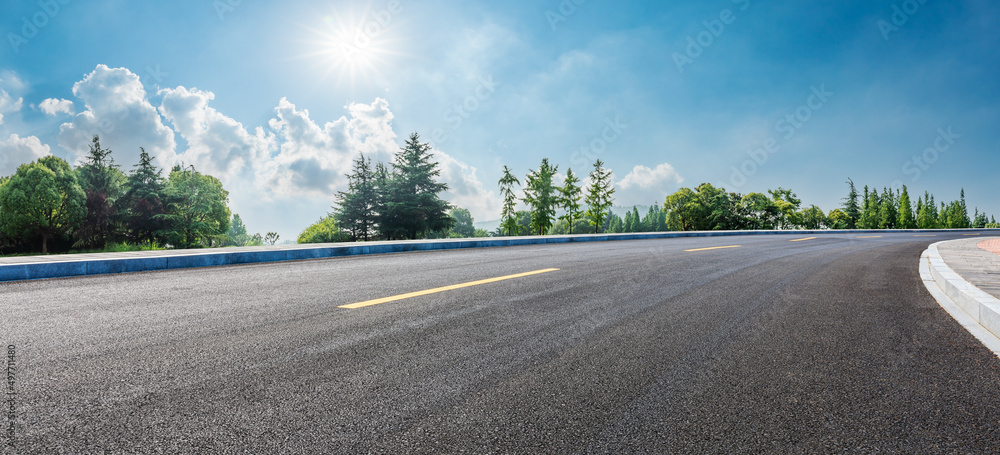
x,y
839,219
569,199
271,238
413,206
42,200
600,196
888,212
324,231
508,217
356,210
143,201
788,206
103,183
813,218
906,218
869,214
760,211
463,227
630,220
197,209
237,233
615,224
704,208
979,221
541,196
851,207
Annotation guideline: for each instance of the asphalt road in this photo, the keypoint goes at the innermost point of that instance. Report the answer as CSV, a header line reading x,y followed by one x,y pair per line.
x,y
827,345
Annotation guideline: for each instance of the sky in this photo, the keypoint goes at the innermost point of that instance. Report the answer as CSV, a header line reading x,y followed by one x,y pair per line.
x,y
277,98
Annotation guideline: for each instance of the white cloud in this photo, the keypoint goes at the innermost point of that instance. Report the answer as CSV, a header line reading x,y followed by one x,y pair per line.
x,y
118,111
54,106
645,186
465,190
15,151
646,178
217,144
8,104
313,160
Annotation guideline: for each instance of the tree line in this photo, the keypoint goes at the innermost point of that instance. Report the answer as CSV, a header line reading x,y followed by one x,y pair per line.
x,y
49,206
709,208
583,209
392,203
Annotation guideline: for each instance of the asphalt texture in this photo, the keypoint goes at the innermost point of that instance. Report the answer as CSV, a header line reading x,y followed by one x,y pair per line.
x,y
830,345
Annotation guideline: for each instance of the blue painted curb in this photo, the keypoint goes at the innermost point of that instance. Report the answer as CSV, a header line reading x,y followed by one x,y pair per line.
x,y
219,257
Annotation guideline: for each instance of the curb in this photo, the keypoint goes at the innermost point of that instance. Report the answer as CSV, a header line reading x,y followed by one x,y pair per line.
x,y
976,310
67,267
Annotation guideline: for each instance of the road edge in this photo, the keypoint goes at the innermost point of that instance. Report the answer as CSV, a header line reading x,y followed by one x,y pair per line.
x,y
68,267
977,311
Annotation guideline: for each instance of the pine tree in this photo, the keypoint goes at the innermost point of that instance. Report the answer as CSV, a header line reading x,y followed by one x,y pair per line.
x,y
356,209
599,196
102,182
570,195
143,201
383,185
851,207
413,205
508,218
629,222
906,218
541,195
963,214
869,215
888,212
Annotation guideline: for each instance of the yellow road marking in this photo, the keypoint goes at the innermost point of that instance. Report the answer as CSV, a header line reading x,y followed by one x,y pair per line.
x,y
802,240
714,248
932,235
871,237
970,234
354,306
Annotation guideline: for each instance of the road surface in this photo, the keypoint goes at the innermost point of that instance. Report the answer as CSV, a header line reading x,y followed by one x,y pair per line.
x,y
828,344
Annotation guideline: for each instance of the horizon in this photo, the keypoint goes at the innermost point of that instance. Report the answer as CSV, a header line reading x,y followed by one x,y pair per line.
x,y
277,100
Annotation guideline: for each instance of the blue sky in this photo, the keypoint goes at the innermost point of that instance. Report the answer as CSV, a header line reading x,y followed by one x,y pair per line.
x,y
277,98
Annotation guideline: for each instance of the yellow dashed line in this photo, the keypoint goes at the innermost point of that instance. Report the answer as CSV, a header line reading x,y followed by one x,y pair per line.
x,y
714,248
354,306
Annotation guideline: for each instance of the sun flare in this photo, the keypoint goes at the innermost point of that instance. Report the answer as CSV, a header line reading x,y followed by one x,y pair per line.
x,y
356,47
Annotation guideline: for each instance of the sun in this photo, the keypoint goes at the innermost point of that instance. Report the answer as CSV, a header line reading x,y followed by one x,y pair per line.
x,y
357,47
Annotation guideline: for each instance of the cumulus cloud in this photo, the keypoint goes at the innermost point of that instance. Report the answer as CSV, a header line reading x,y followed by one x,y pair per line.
x,y
465,190
645,186
8,104
15,151
314,159
118,111
646,178
54,106
217,144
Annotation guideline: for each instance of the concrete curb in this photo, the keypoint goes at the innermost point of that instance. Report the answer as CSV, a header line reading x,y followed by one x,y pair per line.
x,y
166,260
976,310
